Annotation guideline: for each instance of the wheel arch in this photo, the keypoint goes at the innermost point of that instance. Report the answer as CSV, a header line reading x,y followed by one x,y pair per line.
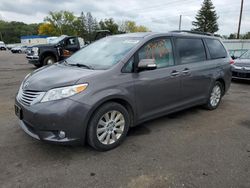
x,y
118,99
48,53
222,81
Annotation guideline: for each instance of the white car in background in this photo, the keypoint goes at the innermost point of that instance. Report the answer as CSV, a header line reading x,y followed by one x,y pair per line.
x,y
19,49
2,46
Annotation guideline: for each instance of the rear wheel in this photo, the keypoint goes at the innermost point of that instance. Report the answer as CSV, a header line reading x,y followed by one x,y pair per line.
x,y
49,60
108,127
215,96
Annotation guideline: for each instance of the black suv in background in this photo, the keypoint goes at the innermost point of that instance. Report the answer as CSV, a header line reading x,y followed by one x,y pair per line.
x,y
120,81
58,49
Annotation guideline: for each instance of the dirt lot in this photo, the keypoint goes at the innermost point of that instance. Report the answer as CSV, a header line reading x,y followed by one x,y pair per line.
x,y
193,148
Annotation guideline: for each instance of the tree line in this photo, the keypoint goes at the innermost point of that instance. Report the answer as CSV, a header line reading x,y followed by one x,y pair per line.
x,y
85,25
10,32
66,23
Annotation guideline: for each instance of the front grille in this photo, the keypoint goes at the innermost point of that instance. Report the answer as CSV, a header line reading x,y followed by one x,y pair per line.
x,y
29,97
241,74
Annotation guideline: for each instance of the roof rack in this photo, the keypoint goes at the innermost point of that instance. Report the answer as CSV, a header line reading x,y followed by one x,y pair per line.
x,y
193,32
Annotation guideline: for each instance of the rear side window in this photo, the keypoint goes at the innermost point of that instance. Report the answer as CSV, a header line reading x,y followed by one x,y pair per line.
x,y
216,49
190,50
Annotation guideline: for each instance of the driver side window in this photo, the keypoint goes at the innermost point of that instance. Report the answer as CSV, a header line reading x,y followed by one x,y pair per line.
x,y
71,42
160,50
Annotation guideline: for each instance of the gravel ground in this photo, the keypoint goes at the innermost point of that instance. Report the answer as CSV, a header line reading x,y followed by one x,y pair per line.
x,y
192,148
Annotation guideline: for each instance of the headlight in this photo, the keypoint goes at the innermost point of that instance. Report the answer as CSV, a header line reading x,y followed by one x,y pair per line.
x,y
35,51
63,92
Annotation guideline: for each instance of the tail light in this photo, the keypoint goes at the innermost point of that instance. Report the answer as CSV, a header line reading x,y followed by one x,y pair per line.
x,y
231,61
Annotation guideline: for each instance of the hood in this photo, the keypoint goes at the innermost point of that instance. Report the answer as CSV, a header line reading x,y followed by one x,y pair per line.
x,y
45,45
242,62
57,75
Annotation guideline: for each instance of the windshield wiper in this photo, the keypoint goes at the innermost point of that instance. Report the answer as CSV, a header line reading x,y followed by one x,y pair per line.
x,y
80,65
65,62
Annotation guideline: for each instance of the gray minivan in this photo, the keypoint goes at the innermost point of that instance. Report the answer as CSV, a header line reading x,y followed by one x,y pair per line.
x,y
121,81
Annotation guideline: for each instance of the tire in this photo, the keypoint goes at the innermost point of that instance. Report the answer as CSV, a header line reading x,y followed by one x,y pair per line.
x,y
111,133
215,96
49,60
19,51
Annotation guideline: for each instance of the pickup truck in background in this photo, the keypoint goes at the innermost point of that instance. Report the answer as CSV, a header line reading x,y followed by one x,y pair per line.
x,y
57,50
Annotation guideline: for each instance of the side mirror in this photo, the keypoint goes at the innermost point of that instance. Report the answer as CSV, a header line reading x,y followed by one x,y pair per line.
x,y
59,44
147,64
233,57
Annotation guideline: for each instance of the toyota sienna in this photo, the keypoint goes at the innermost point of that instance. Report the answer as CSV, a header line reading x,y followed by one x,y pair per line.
x,y
120,81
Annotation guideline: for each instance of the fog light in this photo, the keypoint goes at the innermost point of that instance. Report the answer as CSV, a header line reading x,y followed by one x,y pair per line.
x,y
61,134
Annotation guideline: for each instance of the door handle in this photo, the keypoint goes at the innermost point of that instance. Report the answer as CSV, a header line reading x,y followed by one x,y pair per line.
x,y
175,73
186,71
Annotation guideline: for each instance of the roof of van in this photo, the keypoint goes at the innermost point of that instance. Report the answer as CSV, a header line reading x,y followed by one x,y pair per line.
x,y
147,34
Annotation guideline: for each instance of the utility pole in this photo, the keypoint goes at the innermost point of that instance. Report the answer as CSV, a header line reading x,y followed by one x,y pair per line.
x,y
241,8
180,22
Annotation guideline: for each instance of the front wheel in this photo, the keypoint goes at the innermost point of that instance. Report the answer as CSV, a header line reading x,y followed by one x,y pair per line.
x,y
49,60
215,96
108,127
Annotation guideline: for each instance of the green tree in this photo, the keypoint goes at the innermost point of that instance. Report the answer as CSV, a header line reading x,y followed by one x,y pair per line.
x,y
247,36
11,32
92,26
232,36
81,26
206,19
109,24
47,29
131,27
64,22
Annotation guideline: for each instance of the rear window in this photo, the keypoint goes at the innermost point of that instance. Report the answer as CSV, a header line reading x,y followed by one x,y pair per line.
x,y
190,50
216,49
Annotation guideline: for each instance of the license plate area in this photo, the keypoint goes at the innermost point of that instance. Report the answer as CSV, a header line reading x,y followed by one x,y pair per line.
x,y
18,112
243,75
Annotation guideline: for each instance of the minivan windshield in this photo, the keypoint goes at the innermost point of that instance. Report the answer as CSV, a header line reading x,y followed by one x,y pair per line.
x,y
104,53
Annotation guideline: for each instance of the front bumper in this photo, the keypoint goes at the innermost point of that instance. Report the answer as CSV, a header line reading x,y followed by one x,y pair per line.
x,y
33,59
14,51
241,74
44,121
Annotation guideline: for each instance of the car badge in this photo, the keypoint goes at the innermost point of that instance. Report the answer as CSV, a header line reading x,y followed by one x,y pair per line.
x,y
243,68
26,84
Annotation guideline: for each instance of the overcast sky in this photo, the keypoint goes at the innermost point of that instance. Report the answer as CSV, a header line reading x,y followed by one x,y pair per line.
x,y
159,16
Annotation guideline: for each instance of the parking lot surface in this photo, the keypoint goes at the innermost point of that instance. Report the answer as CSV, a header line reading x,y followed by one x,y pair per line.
x,y
192,148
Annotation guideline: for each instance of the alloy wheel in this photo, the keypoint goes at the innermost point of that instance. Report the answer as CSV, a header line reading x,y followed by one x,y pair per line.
x,y
215,96
110,127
